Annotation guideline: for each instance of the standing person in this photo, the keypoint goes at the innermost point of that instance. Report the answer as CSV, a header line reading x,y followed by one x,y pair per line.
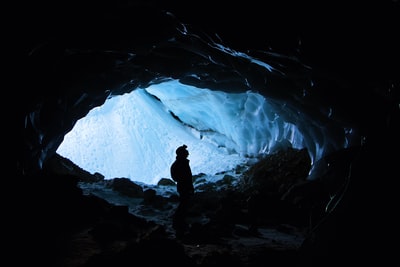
x,y
181,173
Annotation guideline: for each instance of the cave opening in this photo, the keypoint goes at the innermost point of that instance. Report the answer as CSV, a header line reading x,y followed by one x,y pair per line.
x,y
135,135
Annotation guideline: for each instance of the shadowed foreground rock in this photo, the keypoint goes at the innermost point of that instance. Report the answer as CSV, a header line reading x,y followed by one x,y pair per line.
x,y
251,224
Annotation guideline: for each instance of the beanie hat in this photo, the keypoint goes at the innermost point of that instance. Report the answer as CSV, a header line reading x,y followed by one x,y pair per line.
x,y
181,150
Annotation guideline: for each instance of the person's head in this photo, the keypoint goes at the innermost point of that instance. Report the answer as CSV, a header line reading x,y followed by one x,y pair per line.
x,y
181,152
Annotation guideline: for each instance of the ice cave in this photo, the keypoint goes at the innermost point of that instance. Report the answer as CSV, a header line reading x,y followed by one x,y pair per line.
x,y
291,117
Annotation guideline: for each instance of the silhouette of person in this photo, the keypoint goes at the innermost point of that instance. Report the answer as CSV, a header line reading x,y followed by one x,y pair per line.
x,y
181,173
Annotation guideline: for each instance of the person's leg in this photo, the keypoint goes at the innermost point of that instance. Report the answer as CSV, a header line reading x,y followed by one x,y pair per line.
x,y
179,218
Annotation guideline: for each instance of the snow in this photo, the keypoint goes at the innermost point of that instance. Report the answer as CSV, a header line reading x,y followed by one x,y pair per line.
x,y
135,135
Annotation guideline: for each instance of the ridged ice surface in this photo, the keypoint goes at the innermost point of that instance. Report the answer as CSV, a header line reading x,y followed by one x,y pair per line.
x,y
135,135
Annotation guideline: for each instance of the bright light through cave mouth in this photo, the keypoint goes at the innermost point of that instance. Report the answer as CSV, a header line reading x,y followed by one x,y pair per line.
x,y
135,135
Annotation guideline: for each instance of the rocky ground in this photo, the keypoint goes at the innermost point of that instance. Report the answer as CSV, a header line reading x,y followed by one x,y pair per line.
x,y
264,216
